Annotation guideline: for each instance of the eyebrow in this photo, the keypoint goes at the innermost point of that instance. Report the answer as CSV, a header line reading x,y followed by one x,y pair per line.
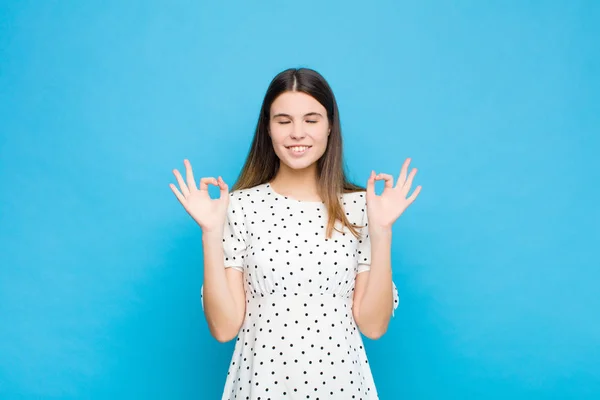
x,y
310,114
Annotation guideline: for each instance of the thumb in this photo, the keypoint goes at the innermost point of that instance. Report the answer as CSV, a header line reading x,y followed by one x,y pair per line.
x,y
371,184
224,188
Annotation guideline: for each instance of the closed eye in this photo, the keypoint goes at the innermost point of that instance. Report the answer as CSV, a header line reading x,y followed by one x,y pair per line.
x,y
287,122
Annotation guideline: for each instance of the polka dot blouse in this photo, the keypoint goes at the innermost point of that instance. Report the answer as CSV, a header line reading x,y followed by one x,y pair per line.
x,y
299,339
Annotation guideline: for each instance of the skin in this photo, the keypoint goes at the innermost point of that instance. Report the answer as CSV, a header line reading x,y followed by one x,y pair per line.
x,y
373,305
296,119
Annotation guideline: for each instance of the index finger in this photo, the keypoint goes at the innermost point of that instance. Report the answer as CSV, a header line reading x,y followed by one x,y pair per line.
x,y
387,178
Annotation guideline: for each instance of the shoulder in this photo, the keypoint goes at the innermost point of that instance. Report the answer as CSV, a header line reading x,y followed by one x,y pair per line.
x,y
355,204
358,199
246,196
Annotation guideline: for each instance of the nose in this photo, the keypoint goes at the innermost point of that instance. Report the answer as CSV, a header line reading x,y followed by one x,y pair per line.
x,y
298,132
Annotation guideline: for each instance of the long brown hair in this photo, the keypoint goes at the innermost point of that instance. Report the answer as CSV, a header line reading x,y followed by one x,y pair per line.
x,y
262,163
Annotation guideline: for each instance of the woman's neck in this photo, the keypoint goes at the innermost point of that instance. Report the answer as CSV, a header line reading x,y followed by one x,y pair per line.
x,y
299,184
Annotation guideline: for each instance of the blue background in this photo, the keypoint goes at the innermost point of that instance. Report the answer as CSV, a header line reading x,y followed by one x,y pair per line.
x,y
497,262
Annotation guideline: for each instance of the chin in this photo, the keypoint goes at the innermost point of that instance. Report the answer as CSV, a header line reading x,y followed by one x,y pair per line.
x,y
295,164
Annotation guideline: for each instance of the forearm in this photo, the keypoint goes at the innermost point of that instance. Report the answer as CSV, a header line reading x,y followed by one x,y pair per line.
x,y
377,302
220,308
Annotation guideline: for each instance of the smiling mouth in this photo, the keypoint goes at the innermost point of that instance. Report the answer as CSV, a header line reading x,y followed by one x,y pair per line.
x,y
298,149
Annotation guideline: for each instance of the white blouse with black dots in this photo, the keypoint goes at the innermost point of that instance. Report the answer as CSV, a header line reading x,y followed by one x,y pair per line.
x,y
299,339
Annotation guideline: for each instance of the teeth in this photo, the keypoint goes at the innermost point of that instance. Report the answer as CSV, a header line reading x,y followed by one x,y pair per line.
x,y
299,149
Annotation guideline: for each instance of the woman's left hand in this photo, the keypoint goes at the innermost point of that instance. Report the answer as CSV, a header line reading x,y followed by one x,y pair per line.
x,y
383,210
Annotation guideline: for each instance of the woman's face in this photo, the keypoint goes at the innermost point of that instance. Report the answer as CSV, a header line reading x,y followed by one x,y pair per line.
x,y
299,129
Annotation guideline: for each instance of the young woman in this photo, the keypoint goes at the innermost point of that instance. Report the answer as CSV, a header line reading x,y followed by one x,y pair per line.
x,y
296,257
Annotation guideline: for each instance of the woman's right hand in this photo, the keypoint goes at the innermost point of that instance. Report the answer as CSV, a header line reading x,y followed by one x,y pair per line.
x,y
209,213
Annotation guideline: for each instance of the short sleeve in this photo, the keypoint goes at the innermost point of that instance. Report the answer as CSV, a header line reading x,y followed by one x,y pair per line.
x,y
234,236
364,244
364,255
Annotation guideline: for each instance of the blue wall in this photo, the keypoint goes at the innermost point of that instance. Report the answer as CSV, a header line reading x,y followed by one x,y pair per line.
x,y
497,262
